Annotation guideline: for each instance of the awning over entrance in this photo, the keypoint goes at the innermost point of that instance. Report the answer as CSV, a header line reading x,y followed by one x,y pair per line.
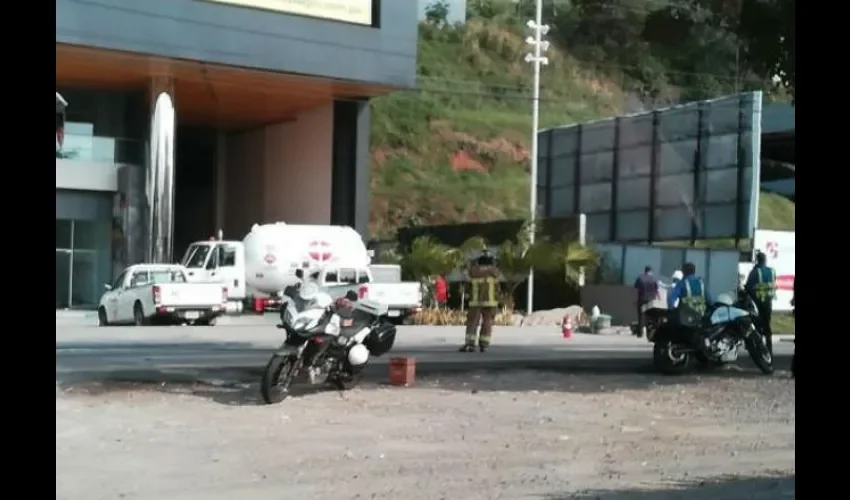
x,y
206,94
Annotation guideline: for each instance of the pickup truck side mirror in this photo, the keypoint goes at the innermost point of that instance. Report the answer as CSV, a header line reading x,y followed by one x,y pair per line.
x,y
107,287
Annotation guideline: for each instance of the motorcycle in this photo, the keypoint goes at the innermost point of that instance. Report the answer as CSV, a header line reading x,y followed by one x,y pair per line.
x,y
715,339
330,342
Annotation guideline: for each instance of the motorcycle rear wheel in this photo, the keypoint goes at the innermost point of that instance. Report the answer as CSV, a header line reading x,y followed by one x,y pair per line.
x,y
759,353
277,378
668,361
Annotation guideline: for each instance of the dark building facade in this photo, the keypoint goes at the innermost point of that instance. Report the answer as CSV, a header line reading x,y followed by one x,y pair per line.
x,y
185,117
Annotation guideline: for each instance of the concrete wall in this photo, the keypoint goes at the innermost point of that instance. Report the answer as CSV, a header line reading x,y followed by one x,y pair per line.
x,y
281,172
224,34
618,301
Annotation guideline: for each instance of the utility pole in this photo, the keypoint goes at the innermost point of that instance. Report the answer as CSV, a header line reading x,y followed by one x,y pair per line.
x,y
536,59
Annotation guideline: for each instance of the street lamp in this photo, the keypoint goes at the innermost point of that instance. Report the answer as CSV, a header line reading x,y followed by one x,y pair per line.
x,y
536,59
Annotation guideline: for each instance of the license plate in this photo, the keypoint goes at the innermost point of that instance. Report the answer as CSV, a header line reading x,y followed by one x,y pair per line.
x,y
347,322
394,314
192,315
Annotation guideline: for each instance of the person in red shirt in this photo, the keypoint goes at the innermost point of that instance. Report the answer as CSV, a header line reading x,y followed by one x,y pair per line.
x,y
441,291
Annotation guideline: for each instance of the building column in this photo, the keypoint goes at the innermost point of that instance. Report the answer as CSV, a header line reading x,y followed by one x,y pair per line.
x,y
160,167
350,165
220,180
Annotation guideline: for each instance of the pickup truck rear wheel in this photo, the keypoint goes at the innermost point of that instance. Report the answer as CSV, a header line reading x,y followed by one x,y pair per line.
x,y
102,320
139,315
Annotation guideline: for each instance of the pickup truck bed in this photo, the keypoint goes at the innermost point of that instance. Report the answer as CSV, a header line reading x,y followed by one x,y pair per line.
x,y
402,299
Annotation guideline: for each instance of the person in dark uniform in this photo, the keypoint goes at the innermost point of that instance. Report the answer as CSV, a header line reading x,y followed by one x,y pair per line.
x,y
761,286
483,301
647,291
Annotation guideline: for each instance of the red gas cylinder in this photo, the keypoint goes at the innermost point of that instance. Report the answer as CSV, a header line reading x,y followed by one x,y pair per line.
x,y
567,327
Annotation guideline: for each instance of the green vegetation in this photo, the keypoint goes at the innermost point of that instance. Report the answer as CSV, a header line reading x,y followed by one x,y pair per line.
x,y
456,148
427,258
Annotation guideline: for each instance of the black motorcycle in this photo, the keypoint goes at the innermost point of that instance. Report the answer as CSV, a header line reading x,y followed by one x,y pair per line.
x,y
713,339
323,351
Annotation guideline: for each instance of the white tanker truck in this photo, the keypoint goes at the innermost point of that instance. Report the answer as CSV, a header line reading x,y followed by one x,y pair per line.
x,y
271,257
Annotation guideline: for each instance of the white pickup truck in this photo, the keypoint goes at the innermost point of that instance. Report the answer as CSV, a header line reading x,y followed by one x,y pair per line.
x,y
402,299
160,294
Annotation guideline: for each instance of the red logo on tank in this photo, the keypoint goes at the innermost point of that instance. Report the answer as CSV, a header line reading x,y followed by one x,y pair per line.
x,y
320,251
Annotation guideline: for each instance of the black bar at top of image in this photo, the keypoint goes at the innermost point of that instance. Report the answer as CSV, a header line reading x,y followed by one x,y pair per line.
x,y
739,202
653,175
577,173
547,209
696,206
615,181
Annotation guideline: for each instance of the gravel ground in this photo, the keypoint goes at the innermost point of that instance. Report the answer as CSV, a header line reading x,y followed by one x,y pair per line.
x,y
513,435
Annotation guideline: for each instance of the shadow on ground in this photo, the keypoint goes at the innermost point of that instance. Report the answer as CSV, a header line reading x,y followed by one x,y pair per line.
x,y
726,488
229,373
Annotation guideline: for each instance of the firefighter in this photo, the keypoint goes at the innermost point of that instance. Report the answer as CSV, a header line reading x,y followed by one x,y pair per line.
x,y
761,286
483,301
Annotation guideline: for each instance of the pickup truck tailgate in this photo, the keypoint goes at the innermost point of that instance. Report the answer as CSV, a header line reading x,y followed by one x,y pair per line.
x,y
190,294
396,295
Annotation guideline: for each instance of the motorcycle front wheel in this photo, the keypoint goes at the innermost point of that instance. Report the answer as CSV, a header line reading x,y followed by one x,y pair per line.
x,y
669,360
759,352
278,377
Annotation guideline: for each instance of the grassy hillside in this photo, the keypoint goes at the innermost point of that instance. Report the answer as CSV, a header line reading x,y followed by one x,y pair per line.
x,y
456,148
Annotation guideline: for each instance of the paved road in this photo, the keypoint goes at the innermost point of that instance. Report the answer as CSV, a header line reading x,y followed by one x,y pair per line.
x,y
186,354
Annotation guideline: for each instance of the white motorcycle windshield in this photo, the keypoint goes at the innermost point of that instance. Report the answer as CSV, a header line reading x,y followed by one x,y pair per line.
x,y
726,314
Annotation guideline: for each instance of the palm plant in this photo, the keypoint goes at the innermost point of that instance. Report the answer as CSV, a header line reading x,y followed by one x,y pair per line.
x,y
517,259
426,259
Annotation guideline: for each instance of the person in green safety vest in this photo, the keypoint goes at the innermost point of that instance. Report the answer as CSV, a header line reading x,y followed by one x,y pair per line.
x,y
689,291
761,286
483,301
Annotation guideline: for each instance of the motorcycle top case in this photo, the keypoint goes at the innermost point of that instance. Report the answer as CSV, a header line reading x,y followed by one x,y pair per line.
x,y
381,339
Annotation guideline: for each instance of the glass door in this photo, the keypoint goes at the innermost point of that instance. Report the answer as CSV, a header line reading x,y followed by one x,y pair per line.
x,y
63,278
85,293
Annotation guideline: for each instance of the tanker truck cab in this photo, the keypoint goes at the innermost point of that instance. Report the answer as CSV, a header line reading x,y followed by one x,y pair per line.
x,y
218,261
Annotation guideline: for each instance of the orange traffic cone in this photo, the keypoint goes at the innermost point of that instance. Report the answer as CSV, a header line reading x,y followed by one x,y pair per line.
x,y
567,327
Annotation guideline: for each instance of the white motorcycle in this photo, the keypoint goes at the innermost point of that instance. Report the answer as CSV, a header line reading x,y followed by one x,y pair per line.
x,y
329,341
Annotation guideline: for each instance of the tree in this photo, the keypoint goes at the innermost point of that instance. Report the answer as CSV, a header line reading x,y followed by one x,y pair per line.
x,y
768,32
425,260
518,258
437,12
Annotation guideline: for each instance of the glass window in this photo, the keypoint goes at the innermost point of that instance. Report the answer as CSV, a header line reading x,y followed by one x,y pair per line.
x,y
140,278
85,286
63,277
166,276
362,277
196,256
63,233
348,276
314,276
332,276
213,262
86,234
118,281
227,256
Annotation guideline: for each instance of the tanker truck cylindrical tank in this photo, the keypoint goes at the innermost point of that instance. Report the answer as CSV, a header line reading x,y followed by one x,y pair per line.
x,y
273,252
